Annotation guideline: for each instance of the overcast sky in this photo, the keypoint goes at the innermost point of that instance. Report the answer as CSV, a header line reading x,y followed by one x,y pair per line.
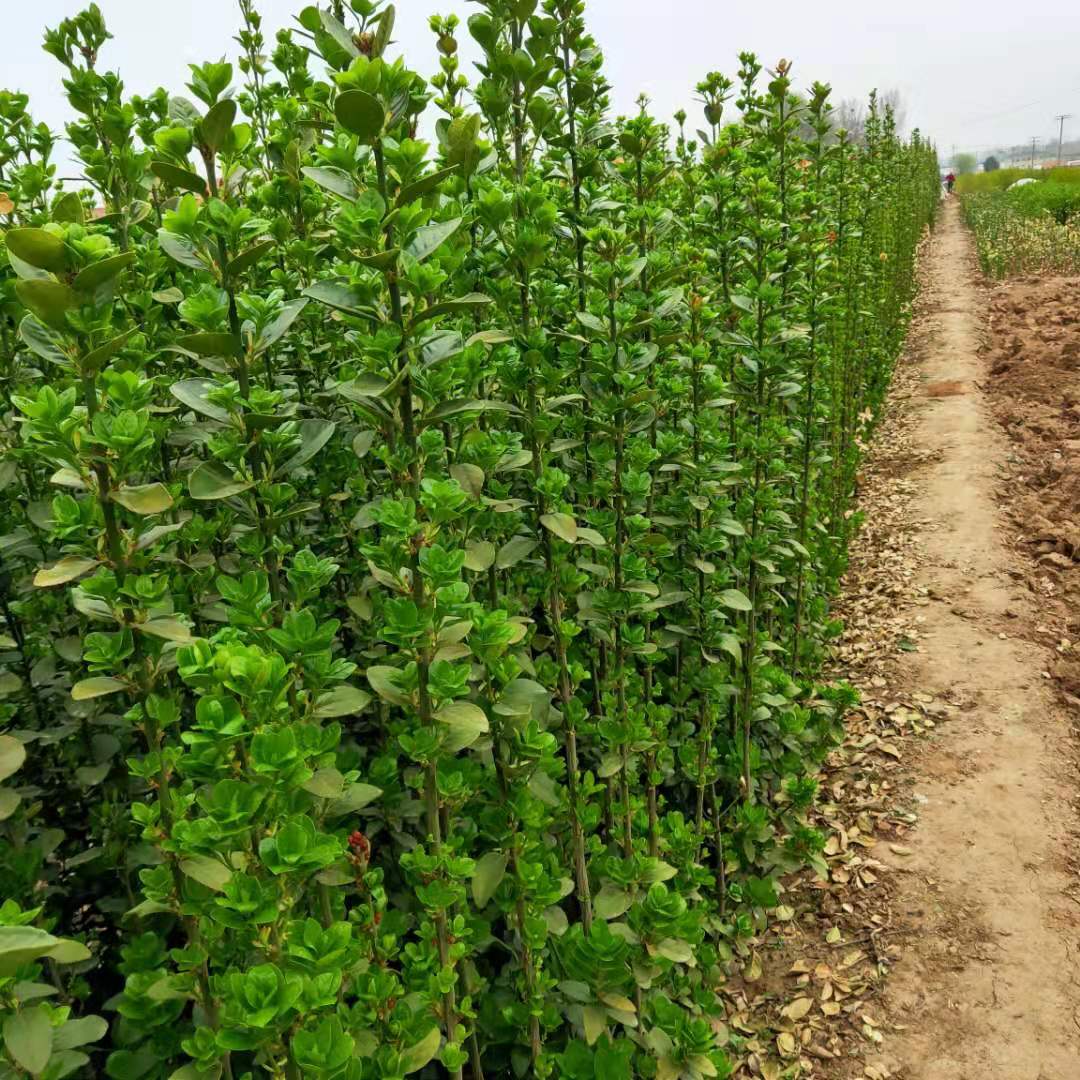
x,y
973,76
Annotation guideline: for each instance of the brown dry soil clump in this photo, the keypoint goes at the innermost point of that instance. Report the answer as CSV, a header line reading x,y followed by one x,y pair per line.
x,y
1033,366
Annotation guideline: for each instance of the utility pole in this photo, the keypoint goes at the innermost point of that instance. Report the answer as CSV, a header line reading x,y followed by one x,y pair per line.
x,y
1061,118
1034,140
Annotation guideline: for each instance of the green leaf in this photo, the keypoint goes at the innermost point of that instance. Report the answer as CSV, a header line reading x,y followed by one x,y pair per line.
x,y
513,551
479,555
79,1032
360,113
212,873
212,480
144,498
65,570
676,950
420,1053
314,435
430,238
336,181
95,360
217,124
181,249
98,686
465,723
325,784
48,300
455,407
343,49
167,630
355,797
193,393
248,258
337,294
611,902
381,679
342,701
489,872
174,176
21,945
594,1019
419,188
12,756
274,331
211,344
562,525
28,1038
452,307
102,273
44,342
68,208
39,248
9,802
732,598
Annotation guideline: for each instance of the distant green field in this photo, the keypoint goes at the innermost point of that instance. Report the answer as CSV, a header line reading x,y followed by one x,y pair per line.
x,y
1000,179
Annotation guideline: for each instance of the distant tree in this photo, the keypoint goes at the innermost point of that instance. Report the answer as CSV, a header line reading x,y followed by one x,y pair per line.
x,y
892,99
964,163
851,116
991,163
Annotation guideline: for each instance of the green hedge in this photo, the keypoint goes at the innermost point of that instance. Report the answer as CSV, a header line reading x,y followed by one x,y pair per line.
x,y
1000,179
417,556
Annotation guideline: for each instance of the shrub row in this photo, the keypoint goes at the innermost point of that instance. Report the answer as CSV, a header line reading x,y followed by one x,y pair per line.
x,y
417,555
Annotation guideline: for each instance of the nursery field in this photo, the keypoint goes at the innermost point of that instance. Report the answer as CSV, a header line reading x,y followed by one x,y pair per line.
x,y
418,554
1034,228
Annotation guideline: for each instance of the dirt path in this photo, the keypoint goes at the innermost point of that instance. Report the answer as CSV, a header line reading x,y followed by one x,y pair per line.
x,y
987,987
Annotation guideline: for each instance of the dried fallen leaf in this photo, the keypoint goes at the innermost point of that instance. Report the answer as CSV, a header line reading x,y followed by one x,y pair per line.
x,y
797,1009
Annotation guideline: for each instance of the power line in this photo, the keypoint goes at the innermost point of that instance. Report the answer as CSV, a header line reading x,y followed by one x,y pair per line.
x,y
1014,108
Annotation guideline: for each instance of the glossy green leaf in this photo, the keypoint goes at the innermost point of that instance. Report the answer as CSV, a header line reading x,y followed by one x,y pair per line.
x,y
314,435
361,114
28,1038
429,238
342,701
562,525
44,342
415,1057
489,872
39,248
98,686
181,249
217,124
177,177
249,257
211,344
337,294
67,569
12,756
193,393
48,300
212,480
144,498
464,723
336,181
206,871
79,1032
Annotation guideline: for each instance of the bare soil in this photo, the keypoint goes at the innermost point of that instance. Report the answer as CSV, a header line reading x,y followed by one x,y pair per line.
x,y
1033,362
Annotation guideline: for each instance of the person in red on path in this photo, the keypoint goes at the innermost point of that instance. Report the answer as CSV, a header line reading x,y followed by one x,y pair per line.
x,y
949,181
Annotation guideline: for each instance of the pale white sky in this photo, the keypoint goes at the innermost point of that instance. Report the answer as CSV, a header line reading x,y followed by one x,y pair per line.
x,y
974,75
